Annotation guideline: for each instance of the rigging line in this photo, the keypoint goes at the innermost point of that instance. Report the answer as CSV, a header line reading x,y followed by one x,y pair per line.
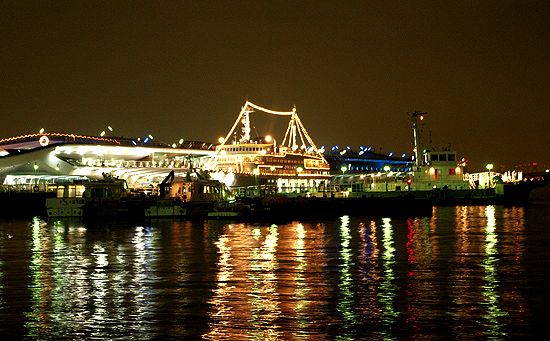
x,y
300,133
287,133
310,140
214,159
282,113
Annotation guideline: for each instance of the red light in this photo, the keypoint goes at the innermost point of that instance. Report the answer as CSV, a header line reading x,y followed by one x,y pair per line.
x,y
409,181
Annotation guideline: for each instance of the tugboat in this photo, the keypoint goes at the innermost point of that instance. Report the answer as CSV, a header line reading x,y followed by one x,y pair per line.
x,y
111,198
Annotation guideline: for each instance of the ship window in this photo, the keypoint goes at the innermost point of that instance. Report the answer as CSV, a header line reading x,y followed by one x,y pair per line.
x,y
452,157
443,157
434,157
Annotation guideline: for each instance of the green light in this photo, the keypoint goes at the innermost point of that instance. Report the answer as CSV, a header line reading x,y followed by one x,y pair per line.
x,y
386,168
343,169
300,169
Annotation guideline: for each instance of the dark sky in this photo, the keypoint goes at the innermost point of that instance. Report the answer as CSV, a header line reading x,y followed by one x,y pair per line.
x,y
354,69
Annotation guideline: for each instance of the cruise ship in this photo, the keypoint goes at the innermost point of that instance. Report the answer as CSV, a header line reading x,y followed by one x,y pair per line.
x,y
295,165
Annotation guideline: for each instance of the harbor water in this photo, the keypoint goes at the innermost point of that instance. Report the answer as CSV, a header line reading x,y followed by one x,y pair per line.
x,y
466,272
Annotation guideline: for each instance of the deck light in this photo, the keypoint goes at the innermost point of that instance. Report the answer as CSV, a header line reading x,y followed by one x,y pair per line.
x,y
386,168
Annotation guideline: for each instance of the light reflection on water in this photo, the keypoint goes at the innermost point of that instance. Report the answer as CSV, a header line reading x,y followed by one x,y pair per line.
x,y
451,275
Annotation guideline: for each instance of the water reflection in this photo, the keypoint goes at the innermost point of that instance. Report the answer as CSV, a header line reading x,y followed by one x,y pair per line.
x,y
387,293
263,280
491,287
345,285
458,274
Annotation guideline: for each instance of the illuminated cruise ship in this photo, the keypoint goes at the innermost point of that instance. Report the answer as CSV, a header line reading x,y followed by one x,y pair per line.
x,y
296,165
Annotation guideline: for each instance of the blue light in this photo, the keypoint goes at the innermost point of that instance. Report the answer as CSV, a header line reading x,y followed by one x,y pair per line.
x,y
403,155
145,140
390,154
334,147
134,143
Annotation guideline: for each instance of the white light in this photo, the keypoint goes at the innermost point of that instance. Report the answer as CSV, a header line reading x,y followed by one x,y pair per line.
x,y
173,145
268,139
221,140
180,141
102,133
109,127
150,136
41,130
44,141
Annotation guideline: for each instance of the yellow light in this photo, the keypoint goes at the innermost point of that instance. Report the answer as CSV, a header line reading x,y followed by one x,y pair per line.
x,y
221,140
268,139
432,171
300,169
180,141
102,133
457,170
173,145
256,171
41,130
343,169
489,166
386,168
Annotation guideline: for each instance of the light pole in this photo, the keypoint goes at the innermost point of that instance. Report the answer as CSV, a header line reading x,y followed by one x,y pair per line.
x,y
343,169
489,167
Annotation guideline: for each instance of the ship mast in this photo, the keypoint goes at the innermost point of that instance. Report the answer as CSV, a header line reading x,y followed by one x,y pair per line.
x,y
415,118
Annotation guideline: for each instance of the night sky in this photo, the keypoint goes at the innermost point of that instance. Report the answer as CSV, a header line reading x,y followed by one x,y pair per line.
x,y
354,70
